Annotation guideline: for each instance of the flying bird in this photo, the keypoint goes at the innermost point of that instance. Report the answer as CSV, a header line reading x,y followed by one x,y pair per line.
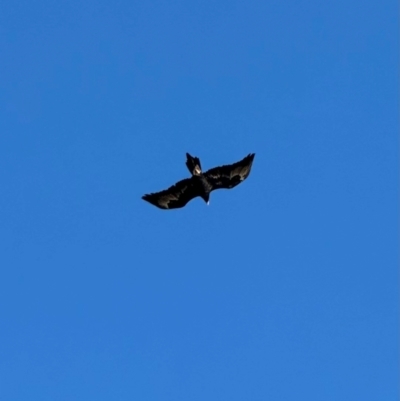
x,y
201,184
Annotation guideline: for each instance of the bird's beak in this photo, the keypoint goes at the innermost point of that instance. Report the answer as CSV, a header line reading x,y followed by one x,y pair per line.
x,y
208,202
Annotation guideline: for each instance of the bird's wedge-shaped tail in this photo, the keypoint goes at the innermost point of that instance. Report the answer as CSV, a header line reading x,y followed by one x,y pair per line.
x,y
193,164
201,184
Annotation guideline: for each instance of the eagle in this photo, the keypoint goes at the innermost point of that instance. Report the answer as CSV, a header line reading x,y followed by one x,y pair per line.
x,y
201,184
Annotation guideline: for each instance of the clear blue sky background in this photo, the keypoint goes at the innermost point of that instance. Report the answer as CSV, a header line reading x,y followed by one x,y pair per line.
x,y
285,288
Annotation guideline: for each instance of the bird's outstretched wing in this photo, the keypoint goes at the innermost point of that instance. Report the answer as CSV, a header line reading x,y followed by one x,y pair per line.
x,y
231,175
176,196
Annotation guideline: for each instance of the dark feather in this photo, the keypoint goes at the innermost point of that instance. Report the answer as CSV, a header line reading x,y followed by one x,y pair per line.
x,y
193,164
176,196
230,175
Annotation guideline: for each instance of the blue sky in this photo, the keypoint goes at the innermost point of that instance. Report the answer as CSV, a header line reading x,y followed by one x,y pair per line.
x,y
284,288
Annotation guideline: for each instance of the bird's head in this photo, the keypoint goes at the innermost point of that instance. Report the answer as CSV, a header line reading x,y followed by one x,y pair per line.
x,y
206,197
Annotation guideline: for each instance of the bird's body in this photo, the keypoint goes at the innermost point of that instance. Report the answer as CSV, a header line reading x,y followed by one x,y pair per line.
x,y
201,184
205,186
